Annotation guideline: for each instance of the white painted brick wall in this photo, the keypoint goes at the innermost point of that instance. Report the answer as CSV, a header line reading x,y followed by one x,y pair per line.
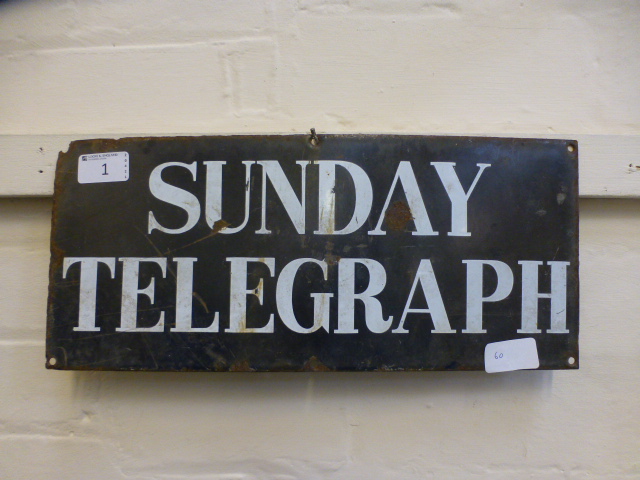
x,y
99,67
389,66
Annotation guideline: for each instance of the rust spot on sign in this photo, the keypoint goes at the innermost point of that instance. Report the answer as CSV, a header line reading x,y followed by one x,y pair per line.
x,y
315,365
397,216
241,367
332,259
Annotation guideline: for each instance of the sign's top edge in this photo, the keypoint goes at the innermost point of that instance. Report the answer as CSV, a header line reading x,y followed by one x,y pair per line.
x,y
364,136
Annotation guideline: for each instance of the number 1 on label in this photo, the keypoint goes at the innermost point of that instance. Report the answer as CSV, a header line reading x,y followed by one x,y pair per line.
x,y
105,169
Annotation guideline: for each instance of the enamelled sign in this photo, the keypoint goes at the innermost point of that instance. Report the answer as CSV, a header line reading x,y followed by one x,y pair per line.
x,y
293,253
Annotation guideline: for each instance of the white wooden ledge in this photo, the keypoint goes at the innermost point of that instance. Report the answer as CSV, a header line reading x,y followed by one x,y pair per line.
x,y
609,164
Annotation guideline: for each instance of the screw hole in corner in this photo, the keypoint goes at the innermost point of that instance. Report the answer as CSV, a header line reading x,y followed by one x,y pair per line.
x,y
571,148
53,361
571,361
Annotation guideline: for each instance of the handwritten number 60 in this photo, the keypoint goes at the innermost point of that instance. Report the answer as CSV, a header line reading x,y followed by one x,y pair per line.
x,y
497,355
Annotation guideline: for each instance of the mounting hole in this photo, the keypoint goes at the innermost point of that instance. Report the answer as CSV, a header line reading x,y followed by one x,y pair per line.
x,y
40,171
571,148
314,141
53,361
571,361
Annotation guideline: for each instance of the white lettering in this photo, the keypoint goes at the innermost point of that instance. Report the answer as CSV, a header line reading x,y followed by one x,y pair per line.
x,y
184,299
327,197
347,296
457,195
130,292
530,296
474,290
88,287
295,208
284,293
175,196
426,277
213,205
239,292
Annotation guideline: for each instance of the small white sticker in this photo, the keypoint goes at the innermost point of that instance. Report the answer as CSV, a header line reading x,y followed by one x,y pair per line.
x,y
103,167
511,355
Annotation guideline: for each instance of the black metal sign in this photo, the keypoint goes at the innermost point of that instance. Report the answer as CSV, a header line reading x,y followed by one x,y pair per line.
x,y
338,252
